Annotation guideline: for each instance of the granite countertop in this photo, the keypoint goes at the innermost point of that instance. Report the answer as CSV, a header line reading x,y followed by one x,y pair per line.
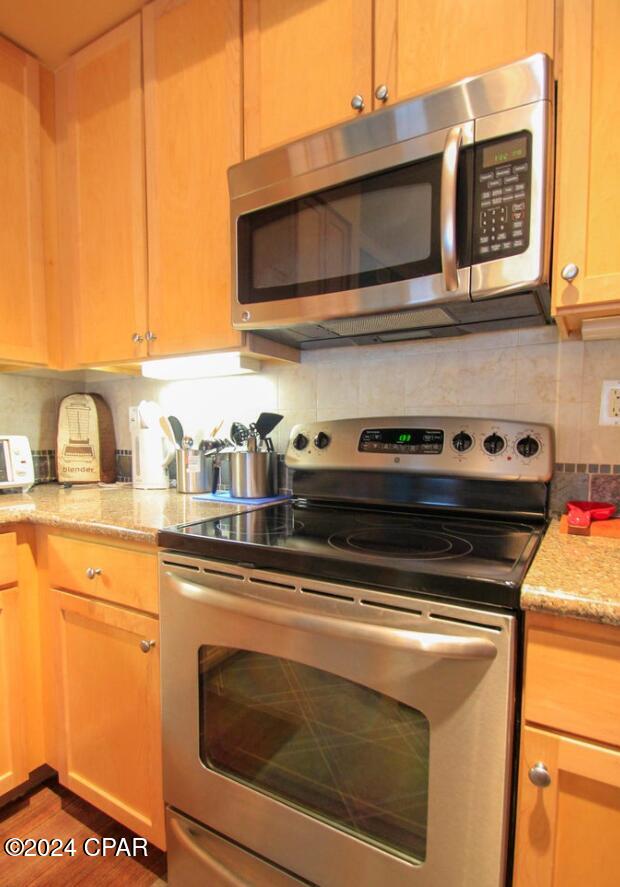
x,y
116,510
575,576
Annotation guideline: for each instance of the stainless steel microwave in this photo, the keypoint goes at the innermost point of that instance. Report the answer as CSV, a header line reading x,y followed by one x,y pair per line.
x,y
428,218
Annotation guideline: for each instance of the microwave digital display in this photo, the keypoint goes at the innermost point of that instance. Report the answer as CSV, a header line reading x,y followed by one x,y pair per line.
x,y
504,152
420,441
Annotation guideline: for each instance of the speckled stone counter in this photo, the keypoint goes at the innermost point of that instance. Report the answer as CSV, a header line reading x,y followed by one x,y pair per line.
x,y
117,511
575,576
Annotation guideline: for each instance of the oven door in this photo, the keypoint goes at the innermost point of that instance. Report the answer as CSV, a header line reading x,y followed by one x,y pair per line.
x,y
347,735
383,230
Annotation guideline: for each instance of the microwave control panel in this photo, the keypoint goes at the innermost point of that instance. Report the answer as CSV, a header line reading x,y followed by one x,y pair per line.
x,y
502,197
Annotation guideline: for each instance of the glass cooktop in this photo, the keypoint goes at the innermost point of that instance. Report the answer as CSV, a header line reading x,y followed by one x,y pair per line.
x,y
477,559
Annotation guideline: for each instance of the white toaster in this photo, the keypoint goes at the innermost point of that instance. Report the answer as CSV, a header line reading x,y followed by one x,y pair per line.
x,y
16,468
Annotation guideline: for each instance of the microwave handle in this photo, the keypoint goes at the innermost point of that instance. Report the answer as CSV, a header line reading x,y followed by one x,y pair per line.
x,y
449,171
448,646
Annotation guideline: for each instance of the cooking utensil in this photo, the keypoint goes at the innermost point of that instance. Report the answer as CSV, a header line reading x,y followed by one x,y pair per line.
x,y
177,429
216,430
168,431
187,442
239,434
582,513
265,424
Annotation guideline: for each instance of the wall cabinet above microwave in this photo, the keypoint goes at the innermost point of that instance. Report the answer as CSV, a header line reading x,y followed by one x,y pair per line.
x,y
308,66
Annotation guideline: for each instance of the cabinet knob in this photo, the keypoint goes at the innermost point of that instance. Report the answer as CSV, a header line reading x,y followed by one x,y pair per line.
x,y
147,646
150,336
137,338
357,102
539,775
570,271
91,572
382,93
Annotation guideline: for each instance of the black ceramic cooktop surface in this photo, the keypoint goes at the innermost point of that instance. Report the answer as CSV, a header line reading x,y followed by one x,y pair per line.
x,y
481,560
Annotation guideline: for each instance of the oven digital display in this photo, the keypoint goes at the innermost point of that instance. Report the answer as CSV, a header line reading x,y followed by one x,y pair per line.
x,y
422,441
505,152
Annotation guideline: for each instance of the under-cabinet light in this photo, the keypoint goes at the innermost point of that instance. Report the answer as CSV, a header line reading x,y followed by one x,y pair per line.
x,y
200,366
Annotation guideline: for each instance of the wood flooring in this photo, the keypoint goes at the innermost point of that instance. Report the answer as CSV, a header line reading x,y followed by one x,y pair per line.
x,y
51,811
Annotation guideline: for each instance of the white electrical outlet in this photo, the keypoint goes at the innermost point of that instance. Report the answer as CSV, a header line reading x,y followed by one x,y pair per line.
x,y
610,403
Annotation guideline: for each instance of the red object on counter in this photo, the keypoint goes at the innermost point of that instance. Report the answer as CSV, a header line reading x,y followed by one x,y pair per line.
x,y
581,514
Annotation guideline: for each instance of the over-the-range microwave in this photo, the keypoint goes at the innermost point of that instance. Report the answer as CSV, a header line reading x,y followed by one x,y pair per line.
x,y
428,218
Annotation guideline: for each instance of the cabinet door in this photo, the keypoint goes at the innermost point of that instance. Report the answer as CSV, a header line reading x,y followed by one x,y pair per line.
x,y
110,720
303,63
192,73
420,45
587,233
22,295
13,769
567,833
103,214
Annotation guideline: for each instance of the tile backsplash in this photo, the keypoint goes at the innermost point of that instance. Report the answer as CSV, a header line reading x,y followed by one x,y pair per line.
x,y
518,374
526,374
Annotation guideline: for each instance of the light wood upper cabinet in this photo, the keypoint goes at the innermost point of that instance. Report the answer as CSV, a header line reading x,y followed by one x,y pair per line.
x,y
304,60
102,194
22,294
109,724
192,79
13,769
567,832
587,233
421,45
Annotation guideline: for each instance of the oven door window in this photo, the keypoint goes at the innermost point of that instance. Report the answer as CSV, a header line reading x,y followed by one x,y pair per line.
x,y
353,757
376,230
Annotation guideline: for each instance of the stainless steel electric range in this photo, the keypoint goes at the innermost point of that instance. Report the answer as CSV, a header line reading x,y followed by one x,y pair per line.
x,y
339,671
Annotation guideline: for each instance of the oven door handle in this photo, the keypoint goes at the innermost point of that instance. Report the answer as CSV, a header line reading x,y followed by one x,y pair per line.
x,y
447,209
447,646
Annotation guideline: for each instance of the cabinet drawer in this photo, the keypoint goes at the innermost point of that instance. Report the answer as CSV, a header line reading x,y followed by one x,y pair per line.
x,y
118,575
8,559
572,677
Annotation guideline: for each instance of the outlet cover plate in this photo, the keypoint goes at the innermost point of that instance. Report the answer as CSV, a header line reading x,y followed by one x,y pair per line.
x,y
610,402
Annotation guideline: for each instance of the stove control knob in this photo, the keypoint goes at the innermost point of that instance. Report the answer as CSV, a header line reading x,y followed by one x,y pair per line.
x,y
300,442
322,440
494,444
462,442
528,447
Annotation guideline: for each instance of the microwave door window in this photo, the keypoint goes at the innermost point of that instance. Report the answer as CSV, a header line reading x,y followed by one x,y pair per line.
x,y
372,231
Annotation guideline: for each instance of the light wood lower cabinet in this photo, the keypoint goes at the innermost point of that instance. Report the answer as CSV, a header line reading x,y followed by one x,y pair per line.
x,y
107,695
13,769
568,833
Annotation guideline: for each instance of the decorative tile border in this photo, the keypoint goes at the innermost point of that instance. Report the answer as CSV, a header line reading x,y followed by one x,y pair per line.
x,y
44,463
571,480
589,468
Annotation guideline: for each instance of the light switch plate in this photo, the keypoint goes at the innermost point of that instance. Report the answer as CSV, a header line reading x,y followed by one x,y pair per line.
x,y
610,403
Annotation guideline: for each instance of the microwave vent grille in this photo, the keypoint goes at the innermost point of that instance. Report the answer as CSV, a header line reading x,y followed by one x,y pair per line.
x,y
396,320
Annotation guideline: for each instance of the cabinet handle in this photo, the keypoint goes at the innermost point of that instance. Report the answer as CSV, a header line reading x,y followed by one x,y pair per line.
x,y
539,775
147,646
357,102
137,338
91,572
382,93
150,336
570,271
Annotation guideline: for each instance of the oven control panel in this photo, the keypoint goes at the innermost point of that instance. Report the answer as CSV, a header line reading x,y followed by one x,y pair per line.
x,y
502,197
455,446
